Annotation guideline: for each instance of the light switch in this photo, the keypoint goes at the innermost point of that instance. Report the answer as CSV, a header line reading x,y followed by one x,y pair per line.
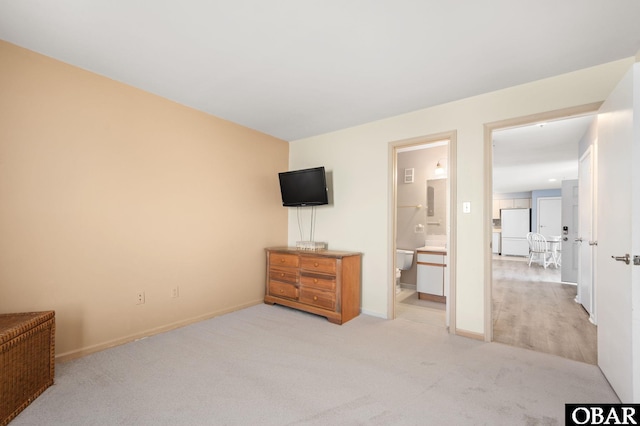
x,y
466,207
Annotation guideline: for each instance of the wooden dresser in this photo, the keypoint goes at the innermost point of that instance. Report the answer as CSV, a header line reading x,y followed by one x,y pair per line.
x,y
324,282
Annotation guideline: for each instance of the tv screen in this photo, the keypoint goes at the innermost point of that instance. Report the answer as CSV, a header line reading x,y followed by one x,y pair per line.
x,y
307,187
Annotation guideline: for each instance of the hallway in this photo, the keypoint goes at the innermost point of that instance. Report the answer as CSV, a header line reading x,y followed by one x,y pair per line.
x,y
532,309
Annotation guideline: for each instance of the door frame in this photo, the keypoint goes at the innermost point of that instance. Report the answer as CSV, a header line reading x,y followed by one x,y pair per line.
x,y
488,190
449,136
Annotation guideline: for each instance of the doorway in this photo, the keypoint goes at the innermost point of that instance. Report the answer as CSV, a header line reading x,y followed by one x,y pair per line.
x,y
530,307
422,185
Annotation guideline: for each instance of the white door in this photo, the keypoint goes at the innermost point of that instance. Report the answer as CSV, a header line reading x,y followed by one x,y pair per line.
x,y
585,234
549,216
618,233
569,249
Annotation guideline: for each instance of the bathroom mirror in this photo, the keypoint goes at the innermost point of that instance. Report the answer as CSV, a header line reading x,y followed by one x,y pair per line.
x,y
436,206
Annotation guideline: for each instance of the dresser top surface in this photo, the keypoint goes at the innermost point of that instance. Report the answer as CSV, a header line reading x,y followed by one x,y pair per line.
x,y
324,253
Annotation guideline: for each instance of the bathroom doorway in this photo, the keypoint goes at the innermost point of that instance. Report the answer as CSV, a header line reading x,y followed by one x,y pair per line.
x,y
421,287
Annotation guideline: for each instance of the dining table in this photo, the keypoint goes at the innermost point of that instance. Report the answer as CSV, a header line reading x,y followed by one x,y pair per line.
x,y
554,244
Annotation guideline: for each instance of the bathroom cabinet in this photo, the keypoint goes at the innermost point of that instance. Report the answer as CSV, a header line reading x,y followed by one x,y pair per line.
x,y
324,282
431,275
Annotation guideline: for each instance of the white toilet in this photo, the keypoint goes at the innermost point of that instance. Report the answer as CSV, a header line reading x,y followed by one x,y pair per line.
x,y
404,260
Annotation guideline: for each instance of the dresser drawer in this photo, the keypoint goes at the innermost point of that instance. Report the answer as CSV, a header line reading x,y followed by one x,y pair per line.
x,y
325,265
319,298
321,282
283,259
284,274
280,289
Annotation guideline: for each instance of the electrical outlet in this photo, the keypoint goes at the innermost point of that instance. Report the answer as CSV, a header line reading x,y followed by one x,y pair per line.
x,y
140,298
175,292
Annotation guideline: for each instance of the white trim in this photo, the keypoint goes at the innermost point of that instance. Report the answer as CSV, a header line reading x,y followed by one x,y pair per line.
x,y
374,314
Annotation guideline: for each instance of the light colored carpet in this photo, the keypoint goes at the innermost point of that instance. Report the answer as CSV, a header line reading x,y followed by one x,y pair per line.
x,y
271,365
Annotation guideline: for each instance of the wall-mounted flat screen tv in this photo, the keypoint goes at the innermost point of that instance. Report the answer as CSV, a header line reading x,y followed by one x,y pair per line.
x,y
306,187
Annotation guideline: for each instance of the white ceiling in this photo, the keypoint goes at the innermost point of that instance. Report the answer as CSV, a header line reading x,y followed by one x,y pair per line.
x,y
294,69
538,156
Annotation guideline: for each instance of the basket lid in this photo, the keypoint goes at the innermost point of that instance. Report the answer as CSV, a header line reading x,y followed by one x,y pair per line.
x,y
12,325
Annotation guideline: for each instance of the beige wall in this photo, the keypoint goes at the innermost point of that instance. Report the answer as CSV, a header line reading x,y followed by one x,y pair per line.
x,y
359,158
106,190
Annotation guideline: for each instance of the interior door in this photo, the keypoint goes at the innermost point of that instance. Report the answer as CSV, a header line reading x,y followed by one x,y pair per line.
x,y
569,250
618,233
549,216
585,234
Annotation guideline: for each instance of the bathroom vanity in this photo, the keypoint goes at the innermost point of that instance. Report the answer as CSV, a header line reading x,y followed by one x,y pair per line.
x,y
323,282
432,273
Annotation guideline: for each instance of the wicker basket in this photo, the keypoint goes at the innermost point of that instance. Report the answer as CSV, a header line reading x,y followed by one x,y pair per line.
x,y
27,363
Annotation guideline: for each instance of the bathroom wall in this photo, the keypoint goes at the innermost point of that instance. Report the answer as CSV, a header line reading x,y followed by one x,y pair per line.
x,y
413,224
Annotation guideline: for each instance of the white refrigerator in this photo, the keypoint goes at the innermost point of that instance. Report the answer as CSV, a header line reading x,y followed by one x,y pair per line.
x,y
515,224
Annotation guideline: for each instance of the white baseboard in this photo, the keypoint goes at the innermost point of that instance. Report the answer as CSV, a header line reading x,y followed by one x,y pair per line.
x,y
374,314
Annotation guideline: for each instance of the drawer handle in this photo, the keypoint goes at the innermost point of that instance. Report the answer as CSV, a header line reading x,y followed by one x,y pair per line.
x,y
315,281
315,297
281,290
316,264
282,274
282,260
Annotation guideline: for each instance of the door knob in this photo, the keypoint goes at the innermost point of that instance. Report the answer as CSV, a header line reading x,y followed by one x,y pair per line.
x,y
626,258
593,243
578,240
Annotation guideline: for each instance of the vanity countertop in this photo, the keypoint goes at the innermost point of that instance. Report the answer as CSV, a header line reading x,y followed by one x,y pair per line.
x,y
433,249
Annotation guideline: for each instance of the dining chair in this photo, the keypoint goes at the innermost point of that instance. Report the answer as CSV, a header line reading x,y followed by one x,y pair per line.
x,y
539,248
